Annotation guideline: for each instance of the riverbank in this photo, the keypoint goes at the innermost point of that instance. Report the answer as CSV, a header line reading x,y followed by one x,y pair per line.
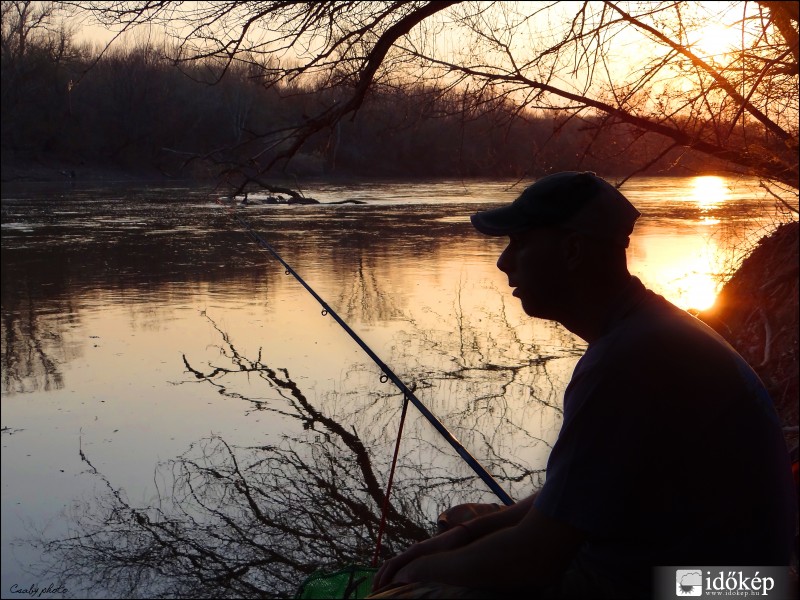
x,y
756,312
53,171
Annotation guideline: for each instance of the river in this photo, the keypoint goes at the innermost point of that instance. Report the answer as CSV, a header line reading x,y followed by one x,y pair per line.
x,y
148,343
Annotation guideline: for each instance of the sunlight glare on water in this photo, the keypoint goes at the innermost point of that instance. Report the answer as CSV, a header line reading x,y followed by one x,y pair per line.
x,y
708,191
682,268
689,235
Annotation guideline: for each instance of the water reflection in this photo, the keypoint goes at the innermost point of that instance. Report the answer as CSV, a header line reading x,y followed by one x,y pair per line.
x,y
233,521
30,344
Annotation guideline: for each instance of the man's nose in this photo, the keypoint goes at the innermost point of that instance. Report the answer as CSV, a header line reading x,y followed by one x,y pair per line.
x,y
504,263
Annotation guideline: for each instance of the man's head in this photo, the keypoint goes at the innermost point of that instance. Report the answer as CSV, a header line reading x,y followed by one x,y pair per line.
x,y
568,233
571,200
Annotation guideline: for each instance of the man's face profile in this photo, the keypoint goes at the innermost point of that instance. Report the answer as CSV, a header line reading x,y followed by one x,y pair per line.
x,y
534,264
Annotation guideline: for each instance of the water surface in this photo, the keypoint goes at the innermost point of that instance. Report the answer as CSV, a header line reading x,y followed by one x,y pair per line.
x,y
118,301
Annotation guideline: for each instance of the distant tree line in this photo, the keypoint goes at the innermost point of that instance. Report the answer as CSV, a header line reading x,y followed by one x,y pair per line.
x,y
128,106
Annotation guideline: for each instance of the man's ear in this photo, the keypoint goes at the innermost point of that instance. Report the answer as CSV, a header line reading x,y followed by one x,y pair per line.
x,y
573,248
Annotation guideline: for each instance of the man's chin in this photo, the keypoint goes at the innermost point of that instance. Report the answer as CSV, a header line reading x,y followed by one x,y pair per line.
x,y
532,309
528,306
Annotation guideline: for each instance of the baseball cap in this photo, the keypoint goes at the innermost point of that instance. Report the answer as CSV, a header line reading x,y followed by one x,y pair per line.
x,y
579,201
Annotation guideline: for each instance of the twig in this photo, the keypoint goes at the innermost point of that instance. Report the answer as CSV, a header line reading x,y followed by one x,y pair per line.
x,y
778,198
767,337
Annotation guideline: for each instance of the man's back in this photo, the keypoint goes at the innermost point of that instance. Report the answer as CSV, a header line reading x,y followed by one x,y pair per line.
x,y
670,452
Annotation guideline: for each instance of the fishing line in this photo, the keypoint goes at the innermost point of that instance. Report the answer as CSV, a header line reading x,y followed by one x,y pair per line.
x,y
385,508
388,374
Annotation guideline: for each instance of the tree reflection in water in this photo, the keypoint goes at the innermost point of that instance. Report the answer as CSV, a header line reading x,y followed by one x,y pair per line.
x,y
29,345
236,521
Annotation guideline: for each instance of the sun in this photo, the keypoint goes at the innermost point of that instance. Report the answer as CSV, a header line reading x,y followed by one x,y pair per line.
x,y
715,41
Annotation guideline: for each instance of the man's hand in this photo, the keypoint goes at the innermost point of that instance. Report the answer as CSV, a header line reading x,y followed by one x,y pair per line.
x,y
419,570
485,519
532,553
390,570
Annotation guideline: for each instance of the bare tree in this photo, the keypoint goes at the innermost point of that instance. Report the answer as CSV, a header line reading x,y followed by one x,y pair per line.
x,y
641,65
23,20
233,521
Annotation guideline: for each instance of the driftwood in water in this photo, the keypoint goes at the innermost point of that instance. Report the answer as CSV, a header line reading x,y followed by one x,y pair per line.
x,y
277,193
293,200
278,200
294,197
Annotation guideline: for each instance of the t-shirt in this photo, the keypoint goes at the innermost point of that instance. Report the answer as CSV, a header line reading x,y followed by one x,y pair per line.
x,y
670,452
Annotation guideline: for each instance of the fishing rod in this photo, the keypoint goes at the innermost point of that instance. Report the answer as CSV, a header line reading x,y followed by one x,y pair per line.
x,y
388,374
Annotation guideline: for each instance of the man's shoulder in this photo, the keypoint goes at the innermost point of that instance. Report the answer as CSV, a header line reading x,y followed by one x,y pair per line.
x,y
656,329
658,348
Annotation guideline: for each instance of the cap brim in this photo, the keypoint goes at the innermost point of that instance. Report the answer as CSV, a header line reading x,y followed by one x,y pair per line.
x,y
500,221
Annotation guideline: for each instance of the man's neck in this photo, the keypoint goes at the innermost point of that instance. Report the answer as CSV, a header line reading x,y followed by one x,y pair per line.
x,y
592,307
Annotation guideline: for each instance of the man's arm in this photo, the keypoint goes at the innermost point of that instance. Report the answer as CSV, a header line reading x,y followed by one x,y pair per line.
x,y
532,553
456,537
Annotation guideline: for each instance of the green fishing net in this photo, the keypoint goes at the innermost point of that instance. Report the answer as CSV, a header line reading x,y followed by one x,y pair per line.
x,y
350,582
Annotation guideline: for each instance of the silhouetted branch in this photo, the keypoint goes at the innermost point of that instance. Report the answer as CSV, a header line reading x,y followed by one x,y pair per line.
x,y
739,106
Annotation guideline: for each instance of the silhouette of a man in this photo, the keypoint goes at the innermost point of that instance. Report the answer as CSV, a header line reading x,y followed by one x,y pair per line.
x,y
670,451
